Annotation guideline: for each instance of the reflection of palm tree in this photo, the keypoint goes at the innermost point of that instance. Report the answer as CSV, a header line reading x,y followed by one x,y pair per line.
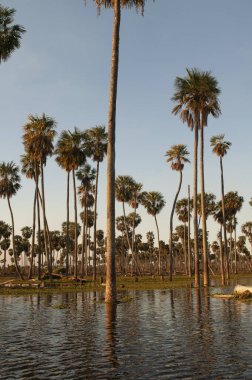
x,y
10,34
110,324
220,148
177,155
110,257
196,98
9,185
154,201
96,144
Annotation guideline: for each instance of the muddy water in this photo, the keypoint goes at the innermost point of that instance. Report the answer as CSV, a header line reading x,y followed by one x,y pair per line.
x,y
179,334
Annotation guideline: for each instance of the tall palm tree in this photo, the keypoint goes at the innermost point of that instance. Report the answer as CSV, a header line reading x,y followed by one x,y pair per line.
x,y
5,233
31,170
38,136
86,175
233,204
218,216
10,35
70,155
110,257
9,185
96,142
196,97
183,211
247,231
134,202
123,192
220,148
177,155
153,202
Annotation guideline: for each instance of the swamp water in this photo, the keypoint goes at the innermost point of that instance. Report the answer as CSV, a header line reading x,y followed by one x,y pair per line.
x,y
171,334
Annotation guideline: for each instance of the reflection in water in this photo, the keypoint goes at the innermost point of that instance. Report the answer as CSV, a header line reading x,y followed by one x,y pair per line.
x,y
178,333
110,323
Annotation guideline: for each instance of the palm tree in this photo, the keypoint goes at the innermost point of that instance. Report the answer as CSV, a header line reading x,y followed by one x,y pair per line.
x,y
134,202
86,175
247,231
177,155
233,204
218,216
220,148
5,233
39,133
96,144
10,35
71,155
9,185
196,96
183,211
110,257
31,170
153,202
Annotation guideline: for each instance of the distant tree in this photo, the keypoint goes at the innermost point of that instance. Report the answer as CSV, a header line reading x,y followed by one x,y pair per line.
x,y
178,156
9,186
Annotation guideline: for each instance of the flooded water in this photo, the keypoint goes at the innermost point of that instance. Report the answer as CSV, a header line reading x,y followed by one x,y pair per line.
x,y
173,334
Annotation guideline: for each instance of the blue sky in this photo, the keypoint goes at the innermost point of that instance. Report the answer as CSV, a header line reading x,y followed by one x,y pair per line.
x,y
62,69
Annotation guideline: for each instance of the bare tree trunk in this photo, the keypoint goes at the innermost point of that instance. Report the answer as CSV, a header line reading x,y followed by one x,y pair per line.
x,y
13,242
67,226
235,248
171,227
48,254
75,230
224,221
95,219
195,206
221,259
203,208
33,235
189,235
110,257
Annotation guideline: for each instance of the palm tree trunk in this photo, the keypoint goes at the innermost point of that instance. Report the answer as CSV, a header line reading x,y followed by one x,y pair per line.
x,y
159,248
13,242
38,218
235,248
33,236
203,208
221,259
185,251
195,206
75,229
86,237
171,226
110,260
67,226
189,234
48,254
224,221
95,219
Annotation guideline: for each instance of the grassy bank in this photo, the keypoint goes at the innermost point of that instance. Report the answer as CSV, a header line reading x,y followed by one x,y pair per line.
x,y
123,284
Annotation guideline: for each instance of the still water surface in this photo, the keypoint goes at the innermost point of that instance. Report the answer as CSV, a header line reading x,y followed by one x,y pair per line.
x,y
172,334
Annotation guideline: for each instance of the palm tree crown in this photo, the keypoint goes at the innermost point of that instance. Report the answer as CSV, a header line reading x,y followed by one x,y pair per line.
x,y
196,93
10,35
219,145
9,179
138,4
153,201
177,155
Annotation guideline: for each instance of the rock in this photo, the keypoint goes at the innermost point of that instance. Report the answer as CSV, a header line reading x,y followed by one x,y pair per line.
x,y
241,289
